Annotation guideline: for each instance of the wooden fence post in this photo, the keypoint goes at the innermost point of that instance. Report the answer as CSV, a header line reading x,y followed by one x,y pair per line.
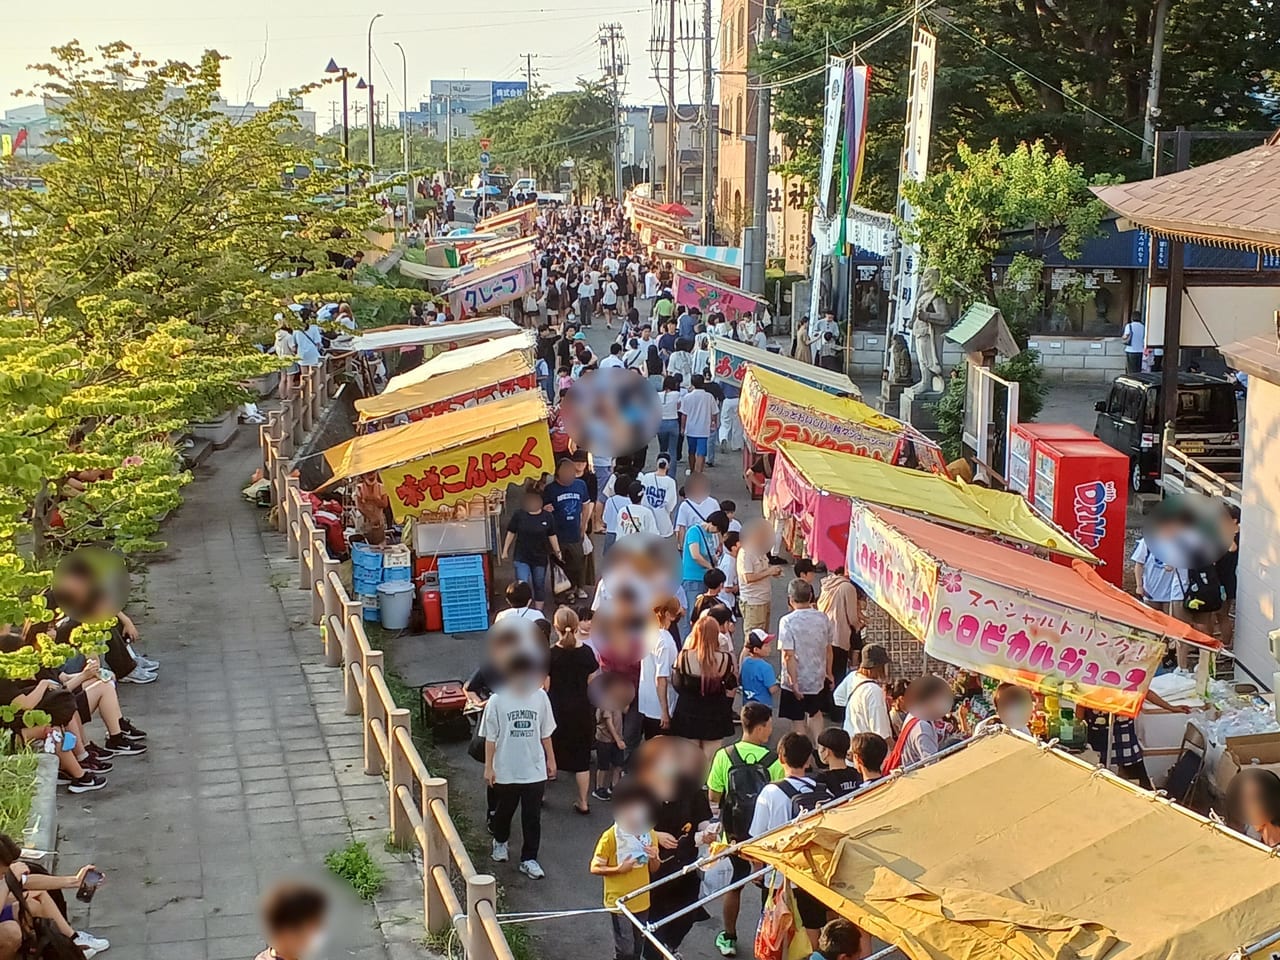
x,y
374,709
436,854
480,888
399,775
351,658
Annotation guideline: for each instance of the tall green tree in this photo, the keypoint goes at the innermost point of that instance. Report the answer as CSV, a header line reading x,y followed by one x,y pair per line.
x,y
1072,73
1029,201
138,281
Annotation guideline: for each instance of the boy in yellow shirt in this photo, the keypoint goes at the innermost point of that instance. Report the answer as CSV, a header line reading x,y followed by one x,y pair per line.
x,y
624,855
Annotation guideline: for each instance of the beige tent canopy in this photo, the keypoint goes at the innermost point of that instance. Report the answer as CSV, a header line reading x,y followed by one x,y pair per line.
x,y
1006,850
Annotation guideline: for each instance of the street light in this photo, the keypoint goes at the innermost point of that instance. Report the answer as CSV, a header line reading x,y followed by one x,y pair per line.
x,y
404,134
369,51
346,131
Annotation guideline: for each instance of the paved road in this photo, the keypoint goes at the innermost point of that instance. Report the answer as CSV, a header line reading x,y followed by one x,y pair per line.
x,y
243,781
568,838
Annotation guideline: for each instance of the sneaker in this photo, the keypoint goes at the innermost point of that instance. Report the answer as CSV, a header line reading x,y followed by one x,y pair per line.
x,y
499,853
138,675
102,753
726,944
603,794
96,764
86,783
90,944
532,869
125,747
776,561
128,726
64,778
148,663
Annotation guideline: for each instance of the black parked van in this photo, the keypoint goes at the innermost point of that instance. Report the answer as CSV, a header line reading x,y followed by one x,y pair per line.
x,y
1207,424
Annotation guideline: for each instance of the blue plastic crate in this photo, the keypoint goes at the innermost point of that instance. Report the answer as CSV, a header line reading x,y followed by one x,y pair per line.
x,y
363,582
465,617
365,557
468,564
391,574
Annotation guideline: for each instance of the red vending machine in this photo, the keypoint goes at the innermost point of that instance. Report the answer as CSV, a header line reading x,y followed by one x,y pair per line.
x,y
1023,440
1083,486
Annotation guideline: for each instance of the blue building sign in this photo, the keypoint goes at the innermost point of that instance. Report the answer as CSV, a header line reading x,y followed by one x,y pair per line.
x,y
509,90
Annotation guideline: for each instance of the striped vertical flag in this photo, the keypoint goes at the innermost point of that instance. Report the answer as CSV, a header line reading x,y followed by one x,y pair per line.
x,y
857,94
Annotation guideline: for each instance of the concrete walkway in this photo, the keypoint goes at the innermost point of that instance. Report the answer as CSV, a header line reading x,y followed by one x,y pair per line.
x,y
250,769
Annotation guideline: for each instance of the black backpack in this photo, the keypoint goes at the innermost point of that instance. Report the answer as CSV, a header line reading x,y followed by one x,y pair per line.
x,y
741,790
1203,592
803,802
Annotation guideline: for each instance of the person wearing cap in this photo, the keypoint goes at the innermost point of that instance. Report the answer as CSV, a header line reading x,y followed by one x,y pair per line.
x,y
660,494
862,695
759,680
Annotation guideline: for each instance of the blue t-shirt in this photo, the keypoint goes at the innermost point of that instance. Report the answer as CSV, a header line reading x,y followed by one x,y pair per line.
x,y
757,677
685,326
567,501
691,569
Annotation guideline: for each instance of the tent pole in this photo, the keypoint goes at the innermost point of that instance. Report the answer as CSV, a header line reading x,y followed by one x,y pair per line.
x,y
707,899
1260,945
1111,742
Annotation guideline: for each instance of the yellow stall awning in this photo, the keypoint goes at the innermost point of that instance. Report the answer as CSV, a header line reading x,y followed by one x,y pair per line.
x,y
378,451
1005,850
933,495
455,383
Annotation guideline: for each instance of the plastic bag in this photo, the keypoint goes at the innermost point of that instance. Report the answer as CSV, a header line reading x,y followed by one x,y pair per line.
x,y
716,876
777,925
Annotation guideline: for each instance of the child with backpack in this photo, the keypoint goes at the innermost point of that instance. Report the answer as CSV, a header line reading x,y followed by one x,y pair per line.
x,y
783,801
738,774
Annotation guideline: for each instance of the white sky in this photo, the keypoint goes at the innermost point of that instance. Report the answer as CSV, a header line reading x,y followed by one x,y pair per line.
x,y
297,38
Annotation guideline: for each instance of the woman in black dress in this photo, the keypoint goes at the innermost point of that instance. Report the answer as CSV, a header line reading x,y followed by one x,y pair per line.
x,y
570,668
705,680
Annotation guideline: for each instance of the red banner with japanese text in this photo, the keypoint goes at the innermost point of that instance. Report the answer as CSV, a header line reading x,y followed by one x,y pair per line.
x,y
1011,635
435,484
710,297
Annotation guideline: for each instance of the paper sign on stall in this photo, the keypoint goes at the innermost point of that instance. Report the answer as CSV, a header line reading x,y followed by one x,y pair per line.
x,y
710,297
775,409
897,576
436,483
490,288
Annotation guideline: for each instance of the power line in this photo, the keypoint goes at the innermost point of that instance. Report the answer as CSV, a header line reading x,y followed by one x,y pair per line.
x,y
1057,88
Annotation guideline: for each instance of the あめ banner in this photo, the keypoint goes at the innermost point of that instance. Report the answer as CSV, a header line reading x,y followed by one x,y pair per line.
x,y
436,483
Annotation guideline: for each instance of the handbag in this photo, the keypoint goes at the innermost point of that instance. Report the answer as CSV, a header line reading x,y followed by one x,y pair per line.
x,y
777,925
560,582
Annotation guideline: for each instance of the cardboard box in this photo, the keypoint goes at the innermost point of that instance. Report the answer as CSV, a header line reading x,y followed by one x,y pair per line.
x,y
1241,752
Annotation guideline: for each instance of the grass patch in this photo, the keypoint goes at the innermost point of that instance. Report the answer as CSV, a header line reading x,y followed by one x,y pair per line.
x,y
17,790
354,864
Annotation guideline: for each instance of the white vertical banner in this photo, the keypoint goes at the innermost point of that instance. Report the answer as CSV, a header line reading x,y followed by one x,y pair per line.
x,y
822,239
830,132
915,163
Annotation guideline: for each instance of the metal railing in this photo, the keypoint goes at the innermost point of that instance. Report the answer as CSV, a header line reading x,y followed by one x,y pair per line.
x,y
1184,474
417,801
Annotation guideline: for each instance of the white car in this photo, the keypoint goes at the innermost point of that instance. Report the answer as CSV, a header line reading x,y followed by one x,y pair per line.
x,y
469,193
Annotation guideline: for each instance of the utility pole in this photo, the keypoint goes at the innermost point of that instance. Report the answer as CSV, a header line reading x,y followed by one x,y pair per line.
x,y
673,114
372,111
528,72
760,198
613,63
710,125
1153,82
1173,299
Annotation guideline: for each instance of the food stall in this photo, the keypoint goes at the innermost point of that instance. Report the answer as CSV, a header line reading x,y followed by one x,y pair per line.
x,y
1009,615
446,479
812,493
499,376
520,342
730,358
774,408
1003,849
432,338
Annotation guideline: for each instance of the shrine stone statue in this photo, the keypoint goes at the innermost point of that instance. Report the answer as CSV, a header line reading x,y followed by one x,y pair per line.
x,y
931,319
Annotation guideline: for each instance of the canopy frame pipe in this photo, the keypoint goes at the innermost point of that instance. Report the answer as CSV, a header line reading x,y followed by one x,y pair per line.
x,y
647,928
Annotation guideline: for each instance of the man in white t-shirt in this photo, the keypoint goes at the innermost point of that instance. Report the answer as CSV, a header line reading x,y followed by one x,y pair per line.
x,y
518,760
655,696
699,414
636,516
862,695
520,600
776,807
697,505
660,494
1134,338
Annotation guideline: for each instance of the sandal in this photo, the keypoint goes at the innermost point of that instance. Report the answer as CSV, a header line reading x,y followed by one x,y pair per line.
x,y
582,811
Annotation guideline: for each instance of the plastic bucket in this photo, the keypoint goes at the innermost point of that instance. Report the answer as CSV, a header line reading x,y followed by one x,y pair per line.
x,y
395,603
